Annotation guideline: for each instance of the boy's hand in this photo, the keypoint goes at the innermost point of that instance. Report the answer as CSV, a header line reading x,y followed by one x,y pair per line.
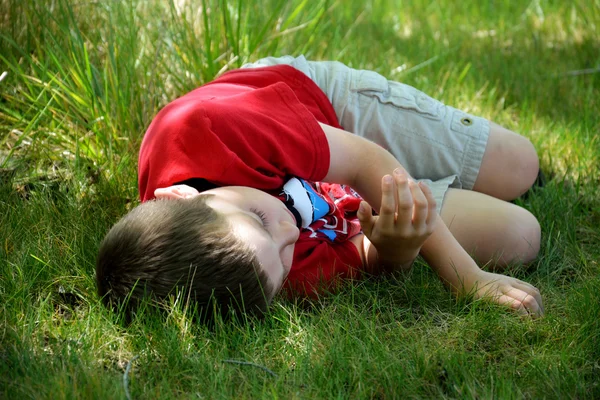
x,y
406,219
504,290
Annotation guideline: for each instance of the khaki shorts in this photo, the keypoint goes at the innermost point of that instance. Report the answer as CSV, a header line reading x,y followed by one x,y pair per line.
x,y
434,142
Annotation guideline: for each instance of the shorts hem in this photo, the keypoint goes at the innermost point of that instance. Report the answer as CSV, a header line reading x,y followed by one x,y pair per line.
x,y
473,156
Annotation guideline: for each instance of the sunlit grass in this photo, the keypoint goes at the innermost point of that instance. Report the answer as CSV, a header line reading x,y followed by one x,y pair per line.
x,y
84,80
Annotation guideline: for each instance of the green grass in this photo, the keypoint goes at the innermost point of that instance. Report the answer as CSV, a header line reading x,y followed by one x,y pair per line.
x,y
84,81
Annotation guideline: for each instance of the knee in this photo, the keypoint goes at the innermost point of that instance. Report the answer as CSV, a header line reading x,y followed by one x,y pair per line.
x,y
527,166
510,165
526,236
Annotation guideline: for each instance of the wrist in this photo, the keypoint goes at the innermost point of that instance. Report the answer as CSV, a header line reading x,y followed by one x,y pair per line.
x,y
468,282
378,261
397,258
450,261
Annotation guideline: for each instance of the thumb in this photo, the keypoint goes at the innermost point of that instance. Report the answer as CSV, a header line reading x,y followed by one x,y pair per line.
x,y
365,217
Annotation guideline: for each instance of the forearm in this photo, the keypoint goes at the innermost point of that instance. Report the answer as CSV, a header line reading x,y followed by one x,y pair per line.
x,y
455,267
359,163
362,164
443,253
462,275
377,163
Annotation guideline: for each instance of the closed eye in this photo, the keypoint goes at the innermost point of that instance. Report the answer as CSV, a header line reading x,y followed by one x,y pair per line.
x,y
261,215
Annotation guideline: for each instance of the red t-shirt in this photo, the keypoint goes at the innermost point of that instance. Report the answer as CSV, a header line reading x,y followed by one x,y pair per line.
x,y
256,128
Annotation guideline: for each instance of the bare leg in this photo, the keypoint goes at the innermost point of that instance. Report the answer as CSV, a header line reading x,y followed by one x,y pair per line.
x,y
509,167
491,229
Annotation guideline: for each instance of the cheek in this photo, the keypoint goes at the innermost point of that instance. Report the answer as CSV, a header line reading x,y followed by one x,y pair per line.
x,y
287,258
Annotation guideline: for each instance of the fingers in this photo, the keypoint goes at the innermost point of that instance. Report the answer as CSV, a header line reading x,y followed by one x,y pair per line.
x,y
406,202
407,210
405,197
387,211
531,290
365,217
528,287
420,211
518,295
431,204
512,303
523,302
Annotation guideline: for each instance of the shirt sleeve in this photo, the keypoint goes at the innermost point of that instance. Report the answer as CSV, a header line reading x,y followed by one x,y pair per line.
x,y
248,137
271,136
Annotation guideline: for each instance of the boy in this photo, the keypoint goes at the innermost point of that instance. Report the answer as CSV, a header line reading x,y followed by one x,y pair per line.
x,y
238,168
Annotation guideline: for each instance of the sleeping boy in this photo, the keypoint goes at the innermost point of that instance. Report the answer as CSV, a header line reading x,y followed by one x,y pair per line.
x,y
295,174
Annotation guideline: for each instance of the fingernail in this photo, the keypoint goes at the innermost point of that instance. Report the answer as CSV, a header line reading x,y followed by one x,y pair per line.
x,y
398,171
387,179
362,208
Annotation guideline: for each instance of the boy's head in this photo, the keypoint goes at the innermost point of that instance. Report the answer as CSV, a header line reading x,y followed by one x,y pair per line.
x,y
232,245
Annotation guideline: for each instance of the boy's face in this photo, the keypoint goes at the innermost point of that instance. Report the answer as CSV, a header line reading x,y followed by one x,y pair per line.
x,y
262,222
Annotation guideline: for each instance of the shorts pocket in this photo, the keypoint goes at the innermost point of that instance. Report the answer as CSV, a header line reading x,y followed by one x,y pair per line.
x,y
373,85
466,124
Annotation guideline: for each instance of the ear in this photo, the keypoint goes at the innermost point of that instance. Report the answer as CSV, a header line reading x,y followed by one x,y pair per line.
x,y
176,192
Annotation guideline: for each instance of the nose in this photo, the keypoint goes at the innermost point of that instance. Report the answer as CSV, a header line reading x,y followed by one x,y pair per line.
x,y
287,236
288,233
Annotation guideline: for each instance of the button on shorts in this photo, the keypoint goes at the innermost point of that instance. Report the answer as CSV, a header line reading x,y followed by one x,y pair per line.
x,y
436,143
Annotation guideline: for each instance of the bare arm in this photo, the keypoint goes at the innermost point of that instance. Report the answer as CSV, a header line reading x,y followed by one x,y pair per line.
x,y
449,260
362,164
441,251
406,209
461,274
358,162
